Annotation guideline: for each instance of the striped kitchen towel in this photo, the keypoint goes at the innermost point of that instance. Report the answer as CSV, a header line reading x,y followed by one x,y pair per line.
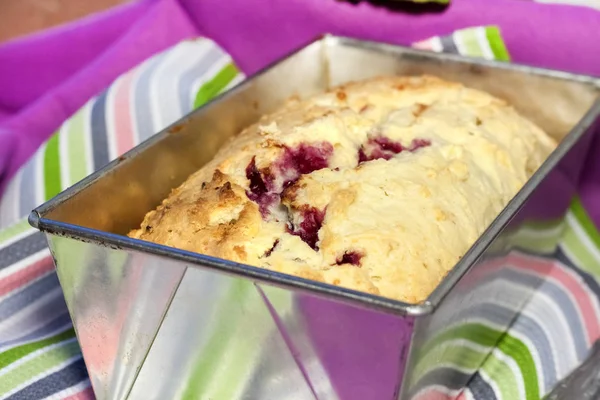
x,y
39,356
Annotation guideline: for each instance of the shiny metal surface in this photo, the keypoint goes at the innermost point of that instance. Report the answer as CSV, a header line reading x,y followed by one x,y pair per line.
x,y
583,383
237,332
504,274
215,332
346,352
117,301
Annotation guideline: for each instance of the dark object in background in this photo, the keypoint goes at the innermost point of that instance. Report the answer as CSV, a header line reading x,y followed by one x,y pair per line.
x,y
406,6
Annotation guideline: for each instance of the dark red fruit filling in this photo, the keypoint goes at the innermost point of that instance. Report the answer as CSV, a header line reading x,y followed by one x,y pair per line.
x,y
382,147
350,257
294,162
308,229
418,143
268,252
259,187
388,145
303,159
362,157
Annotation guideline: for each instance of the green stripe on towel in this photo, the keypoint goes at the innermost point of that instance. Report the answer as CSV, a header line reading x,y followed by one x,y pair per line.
x,y
214,86
496,43
52,179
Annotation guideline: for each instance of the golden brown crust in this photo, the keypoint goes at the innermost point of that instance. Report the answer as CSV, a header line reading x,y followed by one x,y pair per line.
x,y
203,221
370,186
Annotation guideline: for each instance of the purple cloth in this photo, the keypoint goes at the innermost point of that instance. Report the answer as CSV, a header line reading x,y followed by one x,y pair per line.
x,y
555,36
75,62
72,64
364,353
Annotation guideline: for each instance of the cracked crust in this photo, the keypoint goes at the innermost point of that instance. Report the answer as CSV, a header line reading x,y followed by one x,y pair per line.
x,y
380,185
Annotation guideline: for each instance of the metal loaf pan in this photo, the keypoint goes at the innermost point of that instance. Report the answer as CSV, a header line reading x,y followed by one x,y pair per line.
x,y
160,323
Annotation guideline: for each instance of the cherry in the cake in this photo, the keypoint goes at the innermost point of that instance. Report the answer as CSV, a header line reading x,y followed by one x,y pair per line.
x,y
362,157
309,226
350,257
381,147
268,252
387,145
266,185
257,184
258,188
308,158
418,143
303,159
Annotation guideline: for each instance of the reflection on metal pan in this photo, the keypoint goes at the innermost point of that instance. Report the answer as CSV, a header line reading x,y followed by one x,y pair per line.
x,y
168,320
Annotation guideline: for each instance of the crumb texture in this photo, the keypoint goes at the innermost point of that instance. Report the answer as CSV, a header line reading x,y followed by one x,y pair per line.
x,y
379,185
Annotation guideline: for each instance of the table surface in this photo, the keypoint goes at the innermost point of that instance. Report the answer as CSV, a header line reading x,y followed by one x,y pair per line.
x,y
20,17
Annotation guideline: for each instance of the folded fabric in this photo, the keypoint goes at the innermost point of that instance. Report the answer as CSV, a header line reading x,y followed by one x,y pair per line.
x,y
39,355
37,340
74,63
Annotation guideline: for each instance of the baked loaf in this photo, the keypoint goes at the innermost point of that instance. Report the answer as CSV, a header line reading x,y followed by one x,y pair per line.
x,y
379,186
